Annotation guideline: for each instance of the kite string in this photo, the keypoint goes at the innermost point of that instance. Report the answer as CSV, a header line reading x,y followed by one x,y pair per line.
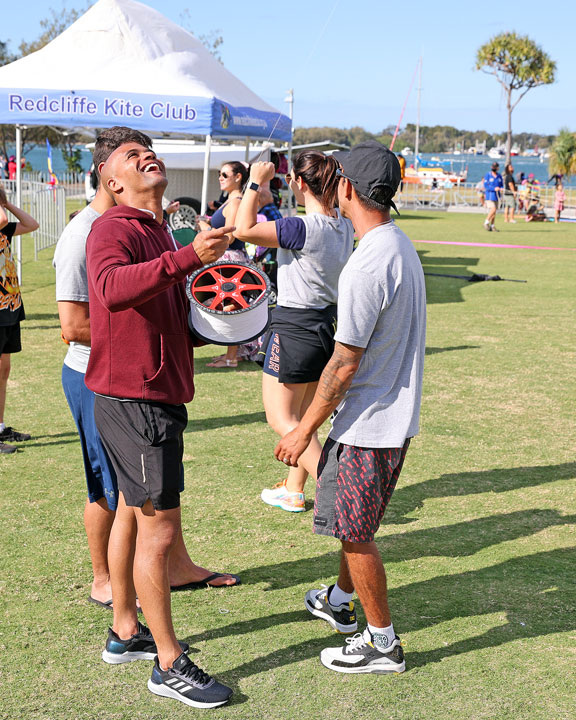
x,y
305,65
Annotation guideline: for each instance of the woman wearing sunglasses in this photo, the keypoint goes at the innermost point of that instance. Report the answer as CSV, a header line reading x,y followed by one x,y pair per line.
x,y
232,178
312,250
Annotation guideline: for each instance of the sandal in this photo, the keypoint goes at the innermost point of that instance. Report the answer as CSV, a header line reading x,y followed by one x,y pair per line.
x,y
223,363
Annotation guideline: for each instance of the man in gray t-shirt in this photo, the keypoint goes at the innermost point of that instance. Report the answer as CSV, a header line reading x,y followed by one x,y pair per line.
x,y
373,385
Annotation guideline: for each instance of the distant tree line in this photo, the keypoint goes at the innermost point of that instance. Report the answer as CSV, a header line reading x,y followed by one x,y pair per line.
x,y
433,139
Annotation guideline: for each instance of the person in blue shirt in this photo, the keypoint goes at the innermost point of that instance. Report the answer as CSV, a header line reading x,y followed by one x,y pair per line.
x,y
493,185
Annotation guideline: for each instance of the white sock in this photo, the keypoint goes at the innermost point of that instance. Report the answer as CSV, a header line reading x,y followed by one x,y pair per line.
x,y
383,637
338,596
2,427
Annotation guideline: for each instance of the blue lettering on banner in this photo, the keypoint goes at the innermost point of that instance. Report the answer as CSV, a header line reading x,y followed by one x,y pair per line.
x,y
38,106
170,112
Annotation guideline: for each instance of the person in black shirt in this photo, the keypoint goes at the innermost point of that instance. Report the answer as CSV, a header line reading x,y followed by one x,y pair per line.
x,y
510,192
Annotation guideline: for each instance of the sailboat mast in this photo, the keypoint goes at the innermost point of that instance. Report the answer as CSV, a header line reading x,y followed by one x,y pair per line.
x,y
417,143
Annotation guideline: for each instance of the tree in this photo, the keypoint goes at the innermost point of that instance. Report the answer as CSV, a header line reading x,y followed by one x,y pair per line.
x,y
52,26
563,153
519,65
211,41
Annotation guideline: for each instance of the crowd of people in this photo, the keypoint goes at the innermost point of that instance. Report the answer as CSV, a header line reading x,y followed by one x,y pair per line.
x,y
346,341
517,193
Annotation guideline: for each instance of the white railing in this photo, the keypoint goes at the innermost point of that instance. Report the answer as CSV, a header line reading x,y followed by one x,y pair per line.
x,y
465,195
47,205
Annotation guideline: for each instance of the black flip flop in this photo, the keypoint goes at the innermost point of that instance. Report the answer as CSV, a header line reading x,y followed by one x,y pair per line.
x,y
201,584
107,604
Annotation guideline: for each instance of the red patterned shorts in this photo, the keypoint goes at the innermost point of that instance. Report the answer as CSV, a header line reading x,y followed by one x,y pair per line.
x,y
354,487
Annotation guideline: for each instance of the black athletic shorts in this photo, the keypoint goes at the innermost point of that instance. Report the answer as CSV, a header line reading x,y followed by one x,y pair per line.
x,y
299,343
354,487
145,443
10,339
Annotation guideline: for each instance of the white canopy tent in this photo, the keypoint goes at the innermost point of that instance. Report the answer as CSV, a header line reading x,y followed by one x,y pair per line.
x,y
123,63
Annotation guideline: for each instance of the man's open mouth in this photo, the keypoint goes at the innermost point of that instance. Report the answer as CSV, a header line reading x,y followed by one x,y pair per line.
x,y
153,167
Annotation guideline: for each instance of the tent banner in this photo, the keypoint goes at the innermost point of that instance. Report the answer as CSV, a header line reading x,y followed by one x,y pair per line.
x,y
164,113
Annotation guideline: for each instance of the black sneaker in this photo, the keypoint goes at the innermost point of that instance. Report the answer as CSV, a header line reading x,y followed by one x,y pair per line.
x,y
361,656
342,617
186,682
140,646
12,435
7,449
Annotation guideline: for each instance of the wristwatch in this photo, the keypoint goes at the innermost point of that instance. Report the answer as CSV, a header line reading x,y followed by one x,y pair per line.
x,y
254,186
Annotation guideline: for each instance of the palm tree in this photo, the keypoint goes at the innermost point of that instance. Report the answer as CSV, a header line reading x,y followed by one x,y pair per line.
x,y
563,153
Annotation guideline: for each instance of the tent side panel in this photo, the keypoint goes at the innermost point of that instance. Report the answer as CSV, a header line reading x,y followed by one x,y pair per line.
x,y
231,121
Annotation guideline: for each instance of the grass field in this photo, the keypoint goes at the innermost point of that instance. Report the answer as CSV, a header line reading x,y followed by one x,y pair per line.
x,y
478,540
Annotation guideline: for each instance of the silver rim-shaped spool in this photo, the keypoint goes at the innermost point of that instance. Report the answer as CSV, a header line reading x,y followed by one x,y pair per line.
x,y
228,302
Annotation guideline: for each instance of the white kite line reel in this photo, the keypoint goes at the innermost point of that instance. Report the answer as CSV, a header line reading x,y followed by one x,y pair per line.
x,y
228,302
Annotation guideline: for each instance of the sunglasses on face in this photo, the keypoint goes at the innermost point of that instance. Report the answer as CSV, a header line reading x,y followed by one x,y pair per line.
x,y
288,177
340,174
223,175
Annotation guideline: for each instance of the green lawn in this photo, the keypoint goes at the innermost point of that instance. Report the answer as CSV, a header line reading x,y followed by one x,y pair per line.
x,y
478,539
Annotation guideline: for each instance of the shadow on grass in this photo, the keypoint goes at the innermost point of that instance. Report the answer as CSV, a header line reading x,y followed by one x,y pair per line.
x,y
458,540
535,595
200,367
437,350
442,289
42,316
200,424
51,440
409,498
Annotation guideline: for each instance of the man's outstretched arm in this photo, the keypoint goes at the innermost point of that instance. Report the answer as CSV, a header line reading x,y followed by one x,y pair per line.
x,y
332,387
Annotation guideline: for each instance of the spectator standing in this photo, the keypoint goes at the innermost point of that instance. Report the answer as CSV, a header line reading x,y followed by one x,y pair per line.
x,y
312,250
559,200
11,309
510,193
493,185
373,385
136,280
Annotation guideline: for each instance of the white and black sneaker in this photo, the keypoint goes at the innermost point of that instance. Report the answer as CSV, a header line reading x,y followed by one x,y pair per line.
x,y
360,655
341,617
140,646
186,682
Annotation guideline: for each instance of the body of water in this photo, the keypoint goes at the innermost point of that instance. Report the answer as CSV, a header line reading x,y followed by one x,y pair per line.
x,y
478,165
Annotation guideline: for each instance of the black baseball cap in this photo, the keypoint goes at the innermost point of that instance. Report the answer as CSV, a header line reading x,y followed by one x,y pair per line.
x,y
373,169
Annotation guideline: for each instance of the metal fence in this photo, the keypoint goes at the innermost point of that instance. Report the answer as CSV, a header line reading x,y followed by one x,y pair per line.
x,y
465,196
47,205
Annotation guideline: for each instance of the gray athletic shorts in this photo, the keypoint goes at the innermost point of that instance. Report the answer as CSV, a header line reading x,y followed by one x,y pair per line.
x,y
145,443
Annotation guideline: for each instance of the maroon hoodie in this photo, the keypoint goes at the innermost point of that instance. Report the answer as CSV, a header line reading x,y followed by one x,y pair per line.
x,y
141,344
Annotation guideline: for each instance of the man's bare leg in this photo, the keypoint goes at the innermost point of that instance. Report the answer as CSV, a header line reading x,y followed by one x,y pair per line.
x,y
121,548
4,373
156,538
368,577
98,519
182,570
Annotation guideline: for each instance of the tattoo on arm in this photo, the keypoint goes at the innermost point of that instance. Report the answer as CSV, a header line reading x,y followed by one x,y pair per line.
x,y
338,374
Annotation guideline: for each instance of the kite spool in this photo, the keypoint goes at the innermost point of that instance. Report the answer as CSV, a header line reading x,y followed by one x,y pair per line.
x,y
228,302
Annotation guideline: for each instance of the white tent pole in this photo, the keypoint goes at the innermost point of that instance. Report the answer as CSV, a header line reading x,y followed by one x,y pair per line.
x,y
18,243
205,178
247,154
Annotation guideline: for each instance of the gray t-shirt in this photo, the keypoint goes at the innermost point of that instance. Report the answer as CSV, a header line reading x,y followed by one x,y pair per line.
x,y
312,251
71,277
382,308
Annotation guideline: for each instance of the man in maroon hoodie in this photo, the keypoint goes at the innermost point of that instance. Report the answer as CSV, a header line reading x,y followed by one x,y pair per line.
x,y
141,369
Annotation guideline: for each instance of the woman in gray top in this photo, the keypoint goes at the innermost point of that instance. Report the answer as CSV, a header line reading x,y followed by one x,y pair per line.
x,y
312,250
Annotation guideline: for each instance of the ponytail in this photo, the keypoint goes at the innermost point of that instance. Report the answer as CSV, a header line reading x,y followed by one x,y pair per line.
x,y
318,172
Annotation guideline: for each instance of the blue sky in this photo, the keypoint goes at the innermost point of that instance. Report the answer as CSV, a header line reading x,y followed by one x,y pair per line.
x,y
351,63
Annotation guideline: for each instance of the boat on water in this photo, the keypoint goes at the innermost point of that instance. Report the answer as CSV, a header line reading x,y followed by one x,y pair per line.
x,y
496,153
435,173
